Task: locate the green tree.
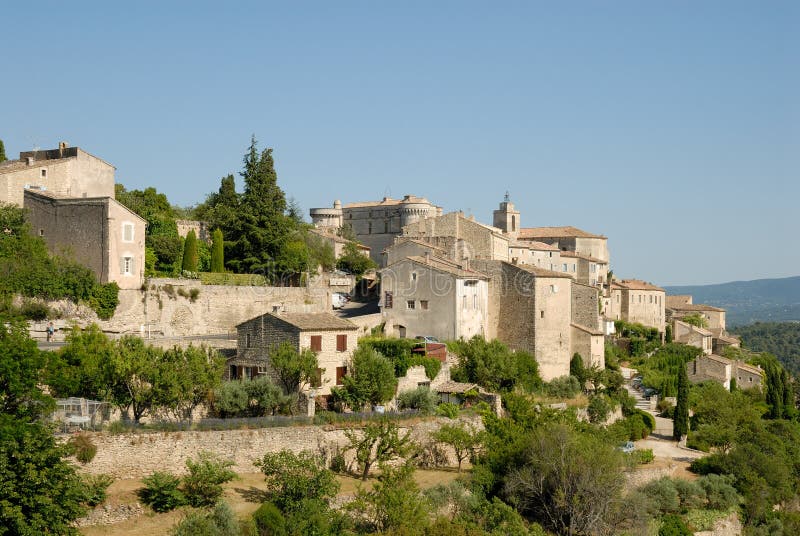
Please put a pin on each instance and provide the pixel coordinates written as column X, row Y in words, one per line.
column 680, row 423
column 137, row 373
column 354, row 260
column 83, row 367
column 187, row 378
column 378, row 442
column 294, row 478
column 494, row 366
column 463, row 439
column 40, row 491
column 393, row 504
column 577, row 369
column 190, row 256
column 292, row 367
column 696, row 319
column 217, row 251
column 202, row 485
column 370, row 379
column 2, row 152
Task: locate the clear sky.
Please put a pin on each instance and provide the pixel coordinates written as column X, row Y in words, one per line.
column 671, row 127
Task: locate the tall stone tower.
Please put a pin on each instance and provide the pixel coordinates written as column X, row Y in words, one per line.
column 506, row 218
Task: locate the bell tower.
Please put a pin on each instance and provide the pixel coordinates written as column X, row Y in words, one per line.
column 506, row 218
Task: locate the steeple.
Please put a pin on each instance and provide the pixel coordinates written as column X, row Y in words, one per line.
column 506, row 217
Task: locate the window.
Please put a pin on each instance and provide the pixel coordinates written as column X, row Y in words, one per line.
column 413, row 276
column 385, row 226
column 541, row 314
column 513, row 223
column 341, row 372
column 127, row 265
column 247, row 340
column 41, row 232
column 341, row 343
column 316, row 343
column 651, row 299
column 564, row 267
column 464, row 301
column 262, row 369
column 471, row 282
column 410, row 304
column 474, row 301
column 551, row 254
column 423, row 304
column 369, row 229
column 387, row 300
column 573, row 267
column 127, row 232
column 44, row 173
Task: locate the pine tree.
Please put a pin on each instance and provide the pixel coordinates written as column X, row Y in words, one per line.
column 680, row 425
column 190, row 252
column 217, row 252
column 2, row 152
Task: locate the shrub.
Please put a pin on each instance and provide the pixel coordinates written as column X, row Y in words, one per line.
column 34, row 310
column 221, row 521
column 421, row 398
column 563, row 387
column 95, row 488
column 692, row 495
column 598, row 409
column 269, row 520
column 230, row 399
column 448, row 409
column 193, row 294
column 663, row 494
column 720, row 492
column 673, row 525
column 643, row 456
column 104, row 300
column 203, row 485
column 161, row 492
column 84, row 447
column 431, row 364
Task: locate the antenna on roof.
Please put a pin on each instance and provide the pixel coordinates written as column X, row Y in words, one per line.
column 507, row 198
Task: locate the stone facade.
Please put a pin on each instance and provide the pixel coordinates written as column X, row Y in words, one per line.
column 720, row 369
column 678, row 307
column 410, row 247
column 536, row 254
column 590, row 344
column 585, row 269
column 66, row 171
column 333, row 339
column 585, row 307
column 200, row 228
column 569, row 239
column 480, row 241
column 507, row 218
column 636, row 301
column 433, row 296
column 376, row 223
column 97, row 232
column 693, row 336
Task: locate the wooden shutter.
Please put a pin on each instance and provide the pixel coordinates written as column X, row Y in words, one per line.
column 341, row 343
column 316, row 343
column 341, row 372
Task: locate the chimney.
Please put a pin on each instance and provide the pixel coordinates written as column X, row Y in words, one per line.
column 29, row 160
column 62, row 145
column 427, row 257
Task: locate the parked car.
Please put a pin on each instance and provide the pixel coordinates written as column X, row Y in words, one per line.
column 338, row 300
column 627, row 447
column 426, row 338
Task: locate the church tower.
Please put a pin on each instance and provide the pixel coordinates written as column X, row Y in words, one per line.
column 507, row 218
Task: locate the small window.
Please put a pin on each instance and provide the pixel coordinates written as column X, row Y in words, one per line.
column 464, row 301
column 423, row 304
column 564, row 267
column 474, row 301
column 41, row 232
column 386, row 227
column 44, row 173
column 341, row 343
column 413, row 276
column 247, row 342
column 262, row 370
column 127, row 265
column 541, row 314
column 387, row 300
column 341, row 372
column 316, row 343
column 127, row 232
column 369, row 229
column 410, row 304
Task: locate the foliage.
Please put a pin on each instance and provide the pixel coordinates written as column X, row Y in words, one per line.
column 598, row 409
column 494, row 366
column 251, row 398
column 463, row 439
column 421, row 398
column 719, row 416
column 673, row 525
column 378, row 442
column 448, row 409
column 781, row 339
column 292, row 367
column 41, row 494
column 202, row 486
column 643, row 456
column 237, row 280
column 217, row 252
column 568, row 481
column 778, row 384
column 663, row 494
column 562, row 387
column 104, row 299
column 294, row 478
column 634, row 427
column 577, row 369
column 83, row 446
column 696, row 319
column 161, row 492
column 2, row 152
column 370, row 379
column 354, row 261
column 95, row 488
column 269, row 520
column 220, row 521
column 680, row 423
column 660, row 371
column 190, row 256
column 393, row 503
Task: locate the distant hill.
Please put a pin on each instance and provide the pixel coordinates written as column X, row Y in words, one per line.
column 762, row 300
column 779, row 339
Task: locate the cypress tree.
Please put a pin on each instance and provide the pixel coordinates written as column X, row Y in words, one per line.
column 733, row 385
column 680, row 425
column 190, row 252
column 217, row 252
column 2, row 152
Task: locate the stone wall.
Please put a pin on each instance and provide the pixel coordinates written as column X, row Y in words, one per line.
column 585, row 310
column 138, row 455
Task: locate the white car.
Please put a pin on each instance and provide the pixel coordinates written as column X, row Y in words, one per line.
column 338, row 300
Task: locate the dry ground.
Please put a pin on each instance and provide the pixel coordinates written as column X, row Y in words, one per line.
column 244, row 495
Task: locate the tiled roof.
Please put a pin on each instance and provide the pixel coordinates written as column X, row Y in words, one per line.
column 555, row 232
column 451, row 387
column 541, row 272
column 573, row 255
column 443, row 265
column 532, row 244
column 702, row 331
column 635, row 284
column 693, row 307
column 404, row 239
column 312, row 321
column 17, row 165
column 749, row 368
column 678, row 299
column 588, row 330
column 717, row 358
column 387, row 202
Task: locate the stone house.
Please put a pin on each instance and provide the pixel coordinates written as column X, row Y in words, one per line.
column 720, row 369
column 333, row 339
column 587, row 337
column 463, row 237
column 98, row 232
column 376, row 223
column 693, row 336
column 568, row 238
column 585, row 269
column 590, row 344
column 410, row 247
column 429, row 295
column 680, row 306
column 534, row 253
column 636, row 301
column 66, row 171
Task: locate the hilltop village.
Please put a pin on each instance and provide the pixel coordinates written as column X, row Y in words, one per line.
column 482, row 378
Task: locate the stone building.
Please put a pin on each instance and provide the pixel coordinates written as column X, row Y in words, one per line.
column 98, row 232
column 678, row 307
column 433, row 296
column 585, row 269
column 507, row 218
column 200, row 228
column 463, row 237
column 720, row 369
column 636, row 301
column 693, row 336
column 66, row 171
column 376, row 223
column 568, row 239
column 534, row 253
column 410, row 247
column 333, row 339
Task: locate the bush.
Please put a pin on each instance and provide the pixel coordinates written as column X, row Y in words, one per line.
column 598, row 409
column 673, row 525
column 34, row 310
column 719, row 490
column 104, row 300
column 84, row 447
column 194, row 294
column 448, row 409
column 161, row 492
column 563, row 387
column 96, row 487
column 691, row 493
column 203, row 485
column 269, row 520
column 663, row 494
column 643, row 456
column 221, row 521
column 421, row 398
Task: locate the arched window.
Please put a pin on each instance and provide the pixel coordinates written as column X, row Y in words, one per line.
column 513, row 223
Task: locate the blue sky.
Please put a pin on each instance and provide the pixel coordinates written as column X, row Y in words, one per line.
column 671, row 127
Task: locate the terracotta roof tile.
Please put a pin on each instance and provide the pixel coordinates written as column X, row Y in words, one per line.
column 555, row 232
column 635, row 284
